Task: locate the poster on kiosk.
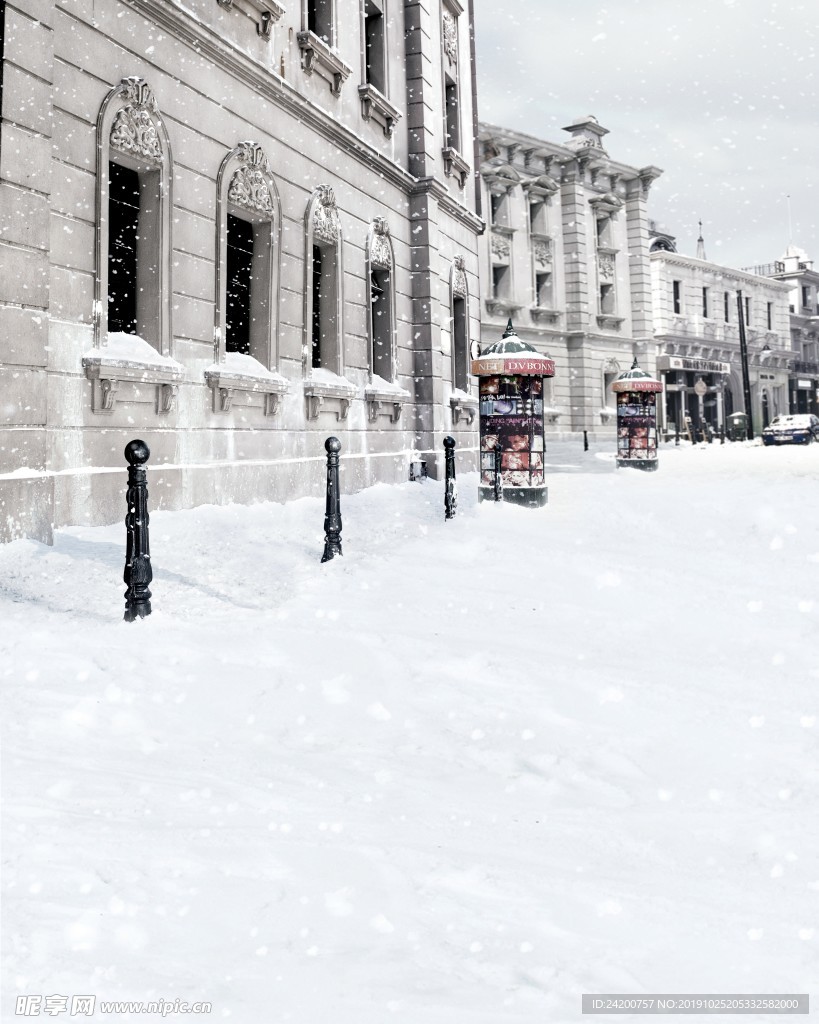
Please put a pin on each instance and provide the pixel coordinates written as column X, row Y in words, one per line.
column 511, row 374
column 636, row 393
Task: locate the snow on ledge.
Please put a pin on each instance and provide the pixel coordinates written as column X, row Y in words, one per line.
column 323, row 381
column 129, row 350
column 239, row 366
column 386, row 390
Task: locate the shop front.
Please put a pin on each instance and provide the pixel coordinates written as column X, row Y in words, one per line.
column 697, row 394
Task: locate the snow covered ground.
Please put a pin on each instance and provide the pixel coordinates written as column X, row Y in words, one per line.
column 461, row 775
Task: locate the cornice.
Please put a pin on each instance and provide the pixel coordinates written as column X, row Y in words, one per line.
column 206, row 42
column 691, row 262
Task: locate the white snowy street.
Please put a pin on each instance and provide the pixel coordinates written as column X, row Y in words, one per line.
column 461, row 775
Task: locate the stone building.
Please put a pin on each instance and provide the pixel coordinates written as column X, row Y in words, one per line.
column 696, row 327
column 231, row 228
column 796, row 270
column 566, row 257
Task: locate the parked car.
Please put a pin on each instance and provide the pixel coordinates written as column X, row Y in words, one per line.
column 799, row 428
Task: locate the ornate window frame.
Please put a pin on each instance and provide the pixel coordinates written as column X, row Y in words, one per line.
column 454, row 163
column 130, row 131
column 462, row 402
column 385, row 395
column 322, row 228
column 245, row 188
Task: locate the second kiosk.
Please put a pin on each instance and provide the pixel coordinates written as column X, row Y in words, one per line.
column 636, row 393
column 513, row 443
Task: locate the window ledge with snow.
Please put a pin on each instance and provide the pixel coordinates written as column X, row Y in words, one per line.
column 502, row 307
column 551, row 415
column 464, row 406
column 384, row 397
column 264, row 12
column 607, row 413
column 243, row 373
column 323, row 385
column 543, row 314
column 127, row 359
column 609, row 320
column 455, row 165
column 317, row 56
column 375, row 105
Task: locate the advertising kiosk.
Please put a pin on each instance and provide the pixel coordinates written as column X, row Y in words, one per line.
column 511, row 374
column 636, row 393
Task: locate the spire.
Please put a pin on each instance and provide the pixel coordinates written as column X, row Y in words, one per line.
column 701, row 245
column 510, row 330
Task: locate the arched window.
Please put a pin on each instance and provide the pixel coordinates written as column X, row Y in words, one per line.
column 322, row 287
column 133, row 243
column 459, row 305
column 381, row 306
column 248, row 216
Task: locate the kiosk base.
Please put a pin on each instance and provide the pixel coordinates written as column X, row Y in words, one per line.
column 531, row 497
column 644, row 464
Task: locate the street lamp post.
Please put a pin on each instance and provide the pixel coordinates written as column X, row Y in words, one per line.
column 743, row 355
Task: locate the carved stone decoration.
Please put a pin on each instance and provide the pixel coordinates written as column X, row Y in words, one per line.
column 108, row 393
column 326, row 224
column 225, row 399
column 166, row 397
column 134, row 129
column 250, row 185
column 500, row 248
column 543, row 253
column 380, row 251
column 459, row 285
column 450, row 34
column 605, row 266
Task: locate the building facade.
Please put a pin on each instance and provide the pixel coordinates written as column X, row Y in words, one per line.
column 566, row 257
column 232, row 229
column 696, row 327
column 797, row 271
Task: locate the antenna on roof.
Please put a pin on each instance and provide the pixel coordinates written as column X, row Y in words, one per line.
column 700, row 245
column 790, row 222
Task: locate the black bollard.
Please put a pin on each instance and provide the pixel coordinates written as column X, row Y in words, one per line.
column 332, row 515
column 138, row 573
column 451, row 492
column 722, row 434
column 585, row 440
column 498, row 489
column 677, row 432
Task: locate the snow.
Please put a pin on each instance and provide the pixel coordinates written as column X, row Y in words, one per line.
column 130, row 349
column 239, row 364
column 461, row 775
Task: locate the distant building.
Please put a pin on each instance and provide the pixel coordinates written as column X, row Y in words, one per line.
column 696, row 328
column 566, row 257
column 231, row 229
column 796, row 270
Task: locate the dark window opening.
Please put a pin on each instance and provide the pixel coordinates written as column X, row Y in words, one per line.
column 374, row 46
column 543, row 290
column 805, row 296
column 497, row 207
column 770, row 316
column 320, row 19
column 606, row 298
column 536, row 217
column 500, row 282
column 705, row 302
column 317, row 306
column 677, row 296
column 726, row 301
column 123, row 234
column 453, row 134
column 381, row 309
column 239, row 276
column 459, row 343
column 747, row 312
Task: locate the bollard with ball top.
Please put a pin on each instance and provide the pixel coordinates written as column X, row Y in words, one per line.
column 138, row 573
column 332, row 516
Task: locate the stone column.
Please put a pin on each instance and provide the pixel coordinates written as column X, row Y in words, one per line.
column 26, row 504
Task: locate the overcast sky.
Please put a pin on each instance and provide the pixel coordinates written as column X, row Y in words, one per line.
column 721, row 94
